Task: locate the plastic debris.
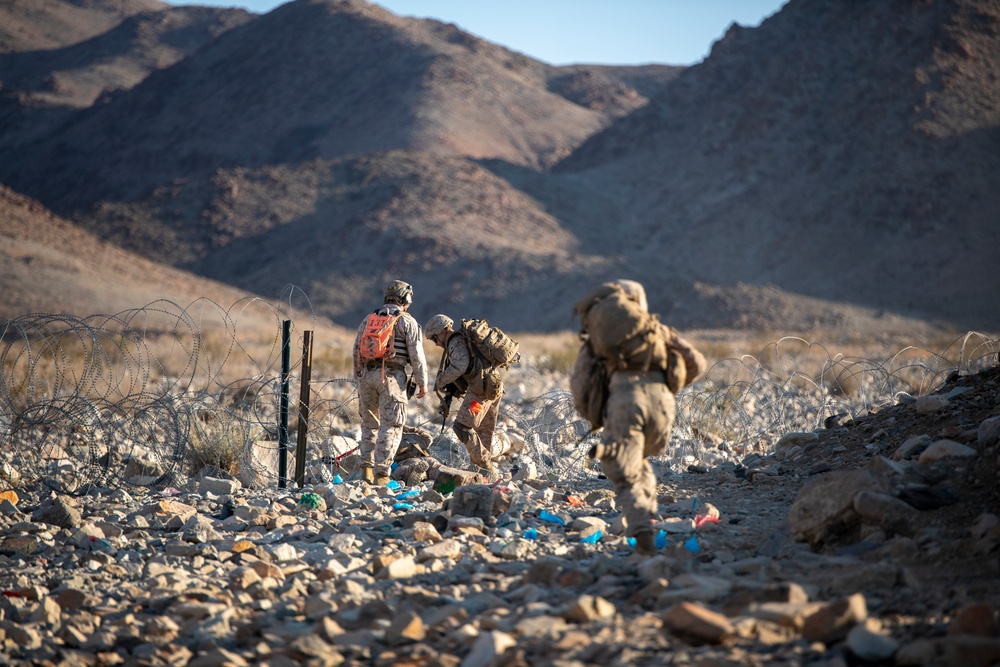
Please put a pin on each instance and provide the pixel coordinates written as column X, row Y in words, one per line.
column 338, row 479
column 710, row 515
column 546, row 515
column 661, row 540
column 412, row 493
column 393, row 485
column 310, row 500
column 575, row 501
column 531, row 534
column 403, row 506
column 593, row 537
column 170, row 491
column 692, row 545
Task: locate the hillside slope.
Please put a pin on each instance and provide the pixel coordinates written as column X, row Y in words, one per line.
column 317, row 79
column 833, row 168
column 48, row 265
column 847, row 151
column 34, row 25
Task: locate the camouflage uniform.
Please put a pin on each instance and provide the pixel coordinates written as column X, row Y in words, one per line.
column 382, row 392
column 477, row 417
column 639, row 415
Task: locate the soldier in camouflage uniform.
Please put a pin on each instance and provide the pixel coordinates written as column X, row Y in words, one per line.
column 639, row 415
column 382, row 387
column 477, row 417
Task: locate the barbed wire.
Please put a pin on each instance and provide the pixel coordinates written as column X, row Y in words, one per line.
column 154, row 396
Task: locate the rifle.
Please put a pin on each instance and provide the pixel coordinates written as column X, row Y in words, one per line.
column 445, row 408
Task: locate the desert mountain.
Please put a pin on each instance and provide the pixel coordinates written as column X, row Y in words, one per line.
column 50, row 266
column 50, row 24
column 831, row 167
column 841, row 150
column 320, row 79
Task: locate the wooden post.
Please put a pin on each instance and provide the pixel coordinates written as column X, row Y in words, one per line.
column 300, row 443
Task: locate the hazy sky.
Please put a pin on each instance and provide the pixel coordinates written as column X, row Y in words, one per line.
column 560, row 32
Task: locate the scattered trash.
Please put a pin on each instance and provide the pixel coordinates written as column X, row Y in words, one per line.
column 412, row 493
column 310, row 500
column 403, row 506
column 710, row 515
column 661, row 540
column 393, row 485
column 338, row 479
column 545, row 515
column 531, row 534
column 170, row 491
column 692, row 545
column 575, row 501
column 593, row 537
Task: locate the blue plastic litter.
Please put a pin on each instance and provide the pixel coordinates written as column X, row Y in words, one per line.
column 393, row 485
column 692, row 545
column 593, row 537
column 338, row 480
column 661, row 539
column 545, row 515
column 412, row 493
column 403, row 506
column 694, row 503
column 531, row 534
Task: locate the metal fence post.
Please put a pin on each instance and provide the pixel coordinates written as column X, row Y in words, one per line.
column 283, row 405
column 303, row 428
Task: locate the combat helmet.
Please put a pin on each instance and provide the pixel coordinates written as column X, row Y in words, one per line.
column 399, row 292
column 437, row 324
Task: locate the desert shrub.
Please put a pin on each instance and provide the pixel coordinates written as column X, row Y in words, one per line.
column 217, row 439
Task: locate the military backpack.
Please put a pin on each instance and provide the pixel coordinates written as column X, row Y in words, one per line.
column 377, row 338
column 496, row 347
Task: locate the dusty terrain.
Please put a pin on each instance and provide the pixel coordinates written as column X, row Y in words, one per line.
column 853, row 544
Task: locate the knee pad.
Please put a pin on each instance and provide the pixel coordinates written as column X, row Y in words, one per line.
column 463, row 432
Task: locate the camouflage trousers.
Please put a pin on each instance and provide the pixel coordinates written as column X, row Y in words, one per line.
column 383, row 412
column 474, row 425
column 640, row 412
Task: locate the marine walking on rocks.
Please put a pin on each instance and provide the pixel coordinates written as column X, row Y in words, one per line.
column 388, row 340
column 473, row 360
column 627, row 372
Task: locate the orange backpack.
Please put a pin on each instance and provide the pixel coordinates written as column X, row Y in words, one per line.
column 376, row 340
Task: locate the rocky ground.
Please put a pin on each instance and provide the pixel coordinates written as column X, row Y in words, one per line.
column 875, row 541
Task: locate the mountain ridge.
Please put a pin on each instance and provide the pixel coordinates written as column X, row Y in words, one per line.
column 799, row 175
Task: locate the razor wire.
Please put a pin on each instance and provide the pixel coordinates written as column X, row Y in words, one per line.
column 157, row 395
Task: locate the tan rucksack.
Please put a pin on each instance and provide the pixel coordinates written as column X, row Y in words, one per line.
column 497, row 348
column 621, row 331
column 589, row 385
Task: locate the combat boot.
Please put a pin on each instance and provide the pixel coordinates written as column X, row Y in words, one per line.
column 367, row 476
column 645, row 543
column 381, row 480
